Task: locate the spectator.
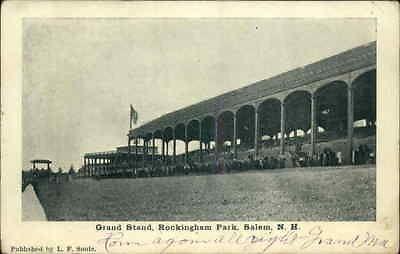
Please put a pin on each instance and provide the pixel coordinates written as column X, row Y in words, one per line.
column 339, row 158
column 58, row 176
column 186, row 169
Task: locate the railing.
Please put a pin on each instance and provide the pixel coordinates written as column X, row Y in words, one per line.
column 100, row 153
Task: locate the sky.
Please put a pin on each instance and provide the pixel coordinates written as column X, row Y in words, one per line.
column 81, row 75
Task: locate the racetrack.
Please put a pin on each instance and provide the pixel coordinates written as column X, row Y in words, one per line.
column 300, row 194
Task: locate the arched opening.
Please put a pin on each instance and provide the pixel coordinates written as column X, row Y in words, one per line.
column 297, row 119
column 245, row 127
column 269, row 116
column 193, row 129
column 225, row 131
column 147, row 149
column 157, row 146
column 180, row 142
column 331, row 111
column 168, row 136
column 364, row 124
column 364, row 89
column 208, row 133
column 135, row 150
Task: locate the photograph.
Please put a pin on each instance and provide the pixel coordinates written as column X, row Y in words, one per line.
column 199, row 119
column 200, row 127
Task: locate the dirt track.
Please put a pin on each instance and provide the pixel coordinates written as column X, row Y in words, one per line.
column 323, row 194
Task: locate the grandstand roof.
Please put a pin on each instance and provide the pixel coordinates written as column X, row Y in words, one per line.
column 344, row 62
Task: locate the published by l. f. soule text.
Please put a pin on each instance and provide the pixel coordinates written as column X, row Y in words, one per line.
column 160, row 227
column 53, row 249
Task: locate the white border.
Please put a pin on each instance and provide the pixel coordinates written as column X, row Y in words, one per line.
column 14, row 232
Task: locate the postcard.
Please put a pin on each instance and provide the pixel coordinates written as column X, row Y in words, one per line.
column 200, row 127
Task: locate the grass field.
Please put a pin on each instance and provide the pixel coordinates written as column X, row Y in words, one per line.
column 308, row 194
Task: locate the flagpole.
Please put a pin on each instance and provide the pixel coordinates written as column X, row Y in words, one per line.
column 130, row 118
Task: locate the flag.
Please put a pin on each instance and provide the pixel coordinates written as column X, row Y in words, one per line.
column 134, row 116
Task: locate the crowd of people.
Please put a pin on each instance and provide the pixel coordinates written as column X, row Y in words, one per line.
column 362, row 155
column 225, row 164
column 228, row 164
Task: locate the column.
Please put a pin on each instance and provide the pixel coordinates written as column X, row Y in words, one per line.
column 313, row 134
column 256, row 133
column 200, row 144
column 144, row 152
column 93, row 166
column 89, row 169
column 282, row 148
column 100, row 168
column 129, row 151
column 152, row 150
column 216, row 147
column 174, row 148
column 166, row 150
column 84, row 165
column 109, row 166
column 96, row 168
column 93, row 163
column 104, row 167
column 162, row 148
column 350, row 120
column 186, row 146
column 147, row 149
column 234, row 141
column 136, row 151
